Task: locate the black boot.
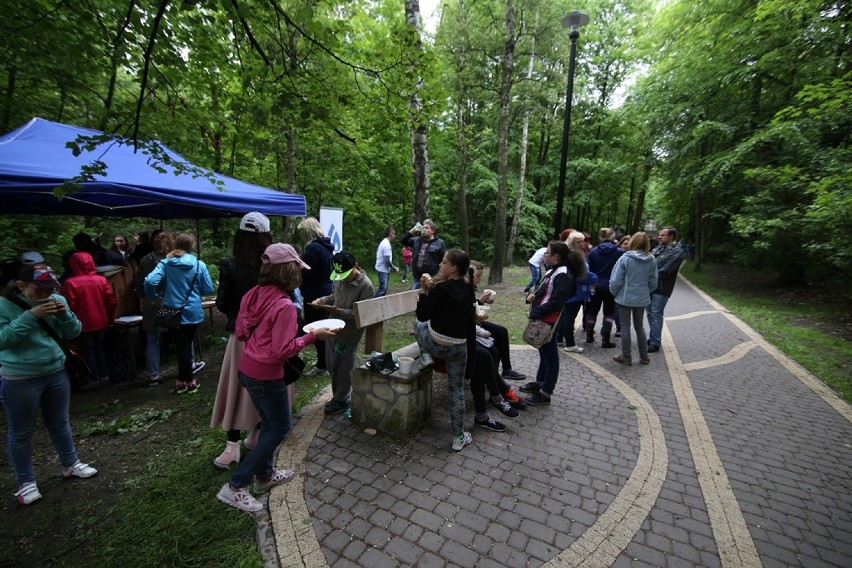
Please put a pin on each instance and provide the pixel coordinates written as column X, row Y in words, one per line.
column 606, row 343
column 590, row 335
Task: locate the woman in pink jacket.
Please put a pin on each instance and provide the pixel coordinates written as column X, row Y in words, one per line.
column 268, row 324
column 91, row 298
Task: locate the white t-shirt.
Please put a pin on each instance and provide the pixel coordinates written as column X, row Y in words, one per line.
column 384, row 250
column 538, row 257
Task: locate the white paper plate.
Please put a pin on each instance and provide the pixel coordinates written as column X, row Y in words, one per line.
column 324, row 324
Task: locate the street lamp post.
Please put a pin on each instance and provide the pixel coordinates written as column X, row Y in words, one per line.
column 573, row 21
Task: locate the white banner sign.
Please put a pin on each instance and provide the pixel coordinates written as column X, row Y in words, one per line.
column 331, row 219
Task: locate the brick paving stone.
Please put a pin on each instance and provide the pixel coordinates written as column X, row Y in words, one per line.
column 458, row 555
column 519, row 498
column 403, row 551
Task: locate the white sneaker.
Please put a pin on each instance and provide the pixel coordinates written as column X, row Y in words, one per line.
column 239, row 498
column 462, row 441
column 79, row 469
column 279, row 476
column 28, row 493
column 572, row 349
column 315, row 372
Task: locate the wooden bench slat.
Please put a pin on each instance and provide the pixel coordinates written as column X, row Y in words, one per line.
column 374, row 310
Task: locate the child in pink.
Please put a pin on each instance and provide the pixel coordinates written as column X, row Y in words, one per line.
column 268, row 324
column 407, row 255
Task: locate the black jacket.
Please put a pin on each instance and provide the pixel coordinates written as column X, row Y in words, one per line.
column 234, row 281
column 435, row 250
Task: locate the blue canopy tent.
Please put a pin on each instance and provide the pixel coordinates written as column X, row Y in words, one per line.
column 34, row 161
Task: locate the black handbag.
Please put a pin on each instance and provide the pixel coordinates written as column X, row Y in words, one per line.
column 168, row 317
column 293, row 368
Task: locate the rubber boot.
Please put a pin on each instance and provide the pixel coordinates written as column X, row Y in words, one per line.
column 590, row 335
column 606, row 343
column 229, row 456
column 251, row 441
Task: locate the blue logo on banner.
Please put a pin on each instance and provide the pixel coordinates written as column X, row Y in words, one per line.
column 334, row 235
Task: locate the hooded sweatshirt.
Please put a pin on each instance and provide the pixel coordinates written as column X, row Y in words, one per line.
column 89, row 294
column 344, row 296
column 268, row 325
column 182, row 288
column 316, row 282
column 602, row 259
column 633, row 279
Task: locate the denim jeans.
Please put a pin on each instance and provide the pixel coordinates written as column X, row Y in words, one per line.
column 152, row 353
column 548, row 365
column 383, row 284
column 655, row 318
column 272, row 403
column 535, row 276
column 21, row 400
column 565, row 326
column 92, row 351
column 636, row 314
column 455, row 356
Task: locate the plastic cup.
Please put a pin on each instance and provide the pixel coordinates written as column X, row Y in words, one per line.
column 405, row 364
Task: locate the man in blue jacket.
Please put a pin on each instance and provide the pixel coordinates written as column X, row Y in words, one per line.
column 669, row 257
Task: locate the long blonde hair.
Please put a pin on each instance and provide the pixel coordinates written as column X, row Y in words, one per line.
column 640, row 241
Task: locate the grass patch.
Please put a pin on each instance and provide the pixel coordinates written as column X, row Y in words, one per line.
column 792, row 326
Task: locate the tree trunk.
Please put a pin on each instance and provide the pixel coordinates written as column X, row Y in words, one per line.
column 525, row 136
column 419, row 142
column 460, row 120
column 495, row 275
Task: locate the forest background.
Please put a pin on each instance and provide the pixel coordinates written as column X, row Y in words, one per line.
column 729, row 120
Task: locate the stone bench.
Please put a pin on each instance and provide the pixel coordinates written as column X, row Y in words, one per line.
column 395, row 404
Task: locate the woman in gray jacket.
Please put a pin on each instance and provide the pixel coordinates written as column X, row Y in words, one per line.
column 633, row 278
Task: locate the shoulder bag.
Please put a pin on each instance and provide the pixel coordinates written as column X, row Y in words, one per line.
column 78, row 370
column 538, row 333
column 169, row 318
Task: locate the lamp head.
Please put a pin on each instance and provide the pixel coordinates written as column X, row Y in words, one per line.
column 575, row 20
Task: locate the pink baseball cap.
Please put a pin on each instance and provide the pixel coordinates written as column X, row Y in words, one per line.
column 280, row 253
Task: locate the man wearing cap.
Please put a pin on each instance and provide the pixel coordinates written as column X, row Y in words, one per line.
column 350, row 285
column 384, row 261
column 428, row 250
column 32, row 257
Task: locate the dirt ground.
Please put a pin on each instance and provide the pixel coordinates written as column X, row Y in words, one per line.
column 59, row 530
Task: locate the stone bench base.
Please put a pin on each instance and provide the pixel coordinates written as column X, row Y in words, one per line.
column 395, row 404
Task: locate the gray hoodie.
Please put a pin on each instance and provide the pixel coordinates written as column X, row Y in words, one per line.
column 633, row 278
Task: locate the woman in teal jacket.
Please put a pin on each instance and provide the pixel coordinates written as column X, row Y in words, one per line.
column 33, row 375
column 181, row 280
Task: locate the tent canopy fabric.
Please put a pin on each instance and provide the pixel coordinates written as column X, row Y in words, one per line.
column 34, row 161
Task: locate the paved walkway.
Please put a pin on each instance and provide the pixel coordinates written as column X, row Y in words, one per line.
column 721, row 452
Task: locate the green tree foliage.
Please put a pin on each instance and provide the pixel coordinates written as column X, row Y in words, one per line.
column 728, row 120
column 748, row 106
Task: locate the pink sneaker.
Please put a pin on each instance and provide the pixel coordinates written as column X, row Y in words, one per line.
column 239, row 498
column 279, row 476
column 229, row 456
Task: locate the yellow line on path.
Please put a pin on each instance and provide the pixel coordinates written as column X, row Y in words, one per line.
column 738, row 352
column 295, row 537
column 803, row 375
column 733, row 539
column 609, row 535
